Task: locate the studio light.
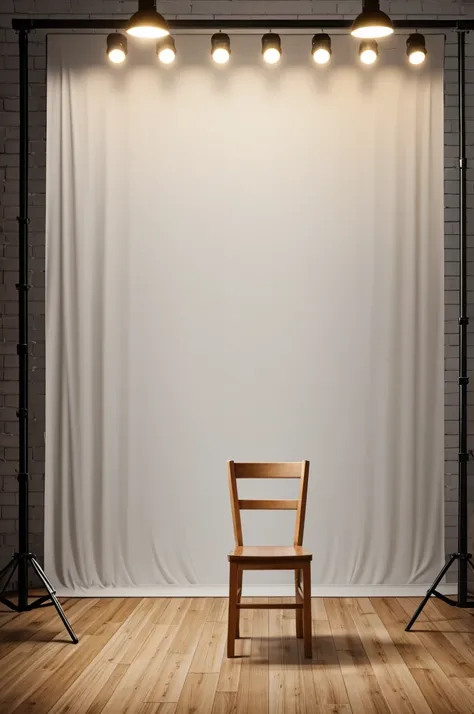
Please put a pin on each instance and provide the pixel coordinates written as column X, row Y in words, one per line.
column 368, row 51
column 372, row 23
column 116, row 47
column 321, row 48
column 166, row 50
column 220, row 47
column 271, row 47
column 147, row 22
column 416, row 48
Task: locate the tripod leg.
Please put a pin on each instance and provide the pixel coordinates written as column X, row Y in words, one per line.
column 12, row 566
column 52, row 595
column 42, row 574
column 7, row 568
column 431, row 591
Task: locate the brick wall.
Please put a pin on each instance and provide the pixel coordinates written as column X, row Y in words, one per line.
column 9, row 162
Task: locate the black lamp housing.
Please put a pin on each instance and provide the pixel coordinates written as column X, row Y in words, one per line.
column 372, row 17
column 117, row 41
column 322, row 41
column 165, row 43
column 220, row 41
column 271, row 41
column 366, row 45
column 147, row 16
column 416, row 43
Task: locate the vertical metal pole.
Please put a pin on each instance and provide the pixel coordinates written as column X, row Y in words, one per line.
column 463, row 324
column 147, row 4
column 370, row 5
column 22, row 348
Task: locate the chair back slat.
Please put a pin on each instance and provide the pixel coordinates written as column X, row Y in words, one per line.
column 289, row 469
column 268, row 505
column 286, row 469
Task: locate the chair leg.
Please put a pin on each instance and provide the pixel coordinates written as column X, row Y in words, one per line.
column 232, row 619
column 239, row 597
column 299, row 601
column 307, row 628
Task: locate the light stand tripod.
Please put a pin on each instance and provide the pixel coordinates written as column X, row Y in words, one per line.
column 23, row 559
column 462, row 557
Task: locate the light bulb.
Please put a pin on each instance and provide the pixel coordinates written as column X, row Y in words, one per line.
column 117, row 56
column 147, row 32
column 221, row 55
column 167, row 55
column 417, row 57
column 368, row 52
column 321, row 56
column 368, row 56
column 272, row 55
column 373, row 32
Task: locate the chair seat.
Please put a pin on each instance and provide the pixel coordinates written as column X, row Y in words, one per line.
column 264, row 553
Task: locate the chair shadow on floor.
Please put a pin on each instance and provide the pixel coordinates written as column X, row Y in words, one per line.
column 289, row 651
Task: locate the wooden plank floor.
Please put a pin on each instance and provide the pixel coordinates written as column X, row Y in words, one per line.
column 167, row 656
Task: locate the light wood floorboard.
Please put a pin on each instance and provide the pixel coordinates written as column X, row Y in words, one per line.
column 167, row 656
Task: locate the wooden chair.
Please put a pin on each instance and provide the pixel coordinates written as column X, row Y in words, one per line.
column 270, row 557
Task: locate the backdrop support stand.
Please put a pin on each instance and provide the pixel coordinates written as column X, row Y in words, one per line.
column 462, row 557
column 22, row 560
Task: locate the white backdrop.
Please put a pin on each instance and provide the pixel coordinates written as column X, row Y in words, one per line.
column 242, row 262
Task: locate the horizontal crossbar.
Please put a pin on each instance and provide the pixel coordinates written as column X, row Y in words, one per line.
column 43, row 601
column 268, row 505
column 283, row 564
column 454, row 603
column 269, row 606
column 11, row 605
column 114, row 23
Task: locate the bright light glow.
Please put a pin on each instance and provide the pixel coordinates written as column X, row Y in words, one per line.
column 373, row 32
column 221, row 55
column 417, row 57
column 147, row 23
column 117, row 56
column 271, row 55
column 321, row 56
column 148, row 32
column 368, row 56
column 372, row 23
column 167, row 55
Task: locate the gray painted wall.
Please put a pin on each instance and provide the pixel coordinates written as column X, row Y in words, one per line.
column 9, row 161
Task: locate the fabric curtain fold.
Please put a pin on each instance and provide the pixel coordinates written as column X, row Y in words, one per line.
column 243, row 262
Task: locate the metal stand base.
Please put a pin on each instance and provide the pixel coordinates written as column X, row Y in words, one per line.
column 432, row 591
column 50, row 599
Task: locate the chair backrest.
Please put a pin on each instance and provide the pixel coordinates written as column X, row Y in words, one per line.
column 289, row 469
